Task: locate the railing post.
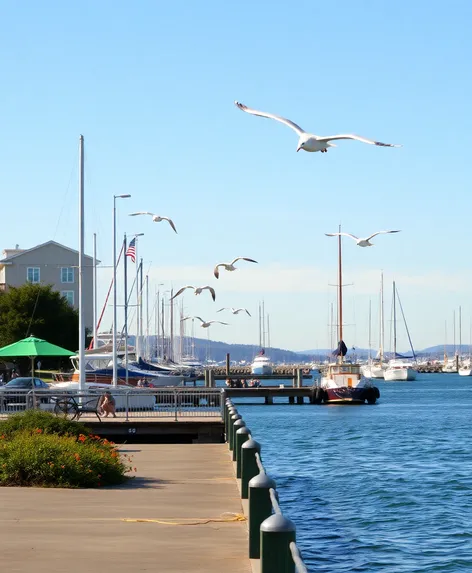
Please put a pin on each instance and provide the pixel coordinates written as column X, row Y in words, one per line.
column 232, row 419
column 127, row 407
column 242, row 435
column 175, row 404
column 237, row 424
column 260, row 508
column 277, row 532
column 249, row 467
column 229, row 412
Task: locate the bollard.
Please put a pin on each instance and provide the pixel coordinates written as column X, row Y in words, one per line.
column 260, row 508
column 242, row 435
column 277, row 532
column 232, row 419
column 249, row 467
column 237, row 424
column 227, row 416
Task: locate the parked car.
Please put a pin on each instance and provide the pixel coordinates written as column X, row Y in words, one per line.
column 17, row 391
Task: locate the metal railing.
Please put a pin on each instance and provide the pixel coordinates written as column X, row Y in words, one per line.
column 271, row 534
column 145, row 403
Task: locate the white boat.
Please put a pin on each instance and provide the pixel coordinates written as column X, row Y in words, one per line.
column 465, row 371
column 450, row 366
column 399, row 370
column 374, row 370
column 261, row 365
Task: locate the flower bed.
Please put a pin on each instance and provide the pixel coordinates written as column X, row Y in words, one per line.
column 39, row 449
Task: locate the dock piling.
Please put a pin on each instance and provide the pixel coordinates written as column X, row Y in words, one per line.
column 249, row 467
column 260, row 508
column 276, row 534
column 242, row 435
column 232, row 419
column 236, row 426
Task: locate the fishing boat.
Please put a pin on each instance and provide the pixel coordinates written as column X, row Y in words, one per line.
column 342, row 381
column 399, row 368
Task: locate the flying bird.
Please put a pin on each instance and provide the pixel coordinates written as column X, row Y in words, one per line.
column 361, row 242
column 198, row 290
column 310, row 141
column 235, row 310
column 230, row 266
column 204, row 323
column 155, row 218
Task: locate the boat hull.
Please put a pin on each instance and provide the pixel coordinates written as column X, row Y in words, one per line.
column 465, row 371
column 376, row 372
column 400, row 374
column 261, row 370
column 345, row 395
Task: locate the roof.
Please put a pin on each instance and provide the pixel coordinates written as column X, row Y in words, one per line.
column 19, row 253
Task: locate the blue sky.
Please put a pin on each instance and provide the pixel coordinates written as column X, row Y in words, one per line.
column 151, row 86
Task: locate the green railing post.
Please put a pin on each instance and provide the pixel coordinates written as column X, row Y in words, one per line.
column 228, row 409
column 232, row 419
column 242, row 435
column 249, row 467
column 277, row 532
column 237, row 424
column 260, row 508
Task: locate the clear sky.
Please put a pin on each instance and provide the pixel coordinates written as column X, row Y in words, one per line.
column 151, row 87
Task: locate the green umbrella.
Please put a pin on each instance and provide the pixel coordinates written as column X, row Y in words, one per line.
column 33, row 347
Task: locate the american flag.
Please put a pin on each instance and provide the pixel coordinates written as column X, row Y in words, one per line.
column 131, row 252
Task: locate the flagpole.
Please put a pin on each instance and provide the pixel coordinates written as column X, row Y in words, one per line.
column 81, row 267
column 126, row 310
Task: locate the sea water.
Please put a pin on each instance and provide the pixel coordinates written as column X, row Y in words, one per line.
column 376, row 488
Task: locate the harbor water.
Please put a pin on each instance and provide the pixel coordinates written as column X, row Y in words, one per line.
column 384, row 488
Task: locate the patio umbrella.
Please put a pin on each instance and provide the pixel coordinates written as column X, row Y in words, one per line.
column 33, row 347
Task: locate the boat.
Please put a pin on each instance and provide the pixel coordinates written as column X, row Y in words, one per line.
column 99, row 368
column 343, row 382
column 261, row 365
column 399, row 368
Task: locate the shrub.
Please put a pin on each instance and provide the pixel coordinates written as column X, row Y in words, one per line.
column 39, row 449
column 45, row 421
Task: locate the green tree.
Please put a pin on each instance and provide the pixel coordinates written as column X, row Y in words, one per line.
column 38, row 310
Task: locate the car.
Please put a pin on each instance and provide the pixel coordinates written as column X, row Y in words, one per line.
column 17, row 392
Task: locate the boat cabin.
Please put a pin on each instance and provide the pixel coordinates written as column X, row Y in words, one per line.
column 345, row 374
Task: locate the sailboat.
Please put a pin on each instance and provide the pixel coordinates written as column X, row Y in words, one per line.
column 343, row 382
column 399, row 369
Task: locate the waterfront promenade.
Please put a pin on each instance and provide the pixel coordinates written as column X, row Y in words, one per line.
column 94, row 530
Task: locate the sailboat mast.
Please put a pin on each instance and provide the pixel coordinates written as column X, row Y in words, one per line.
column 370, row 330
column 340, row 281
column 394, row 324
column 260, row 330
column 382, row 318
column 263, row 325
column 268, row 332
column 171, row 352
column 460, row 331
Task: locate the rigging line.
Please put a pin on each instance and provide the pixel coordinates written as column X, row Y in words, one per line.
column 66, row 196
column 406, row 326
column 33, row 313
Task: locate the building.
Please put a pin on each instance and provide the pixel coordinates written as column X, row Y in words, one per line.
column 50, row 264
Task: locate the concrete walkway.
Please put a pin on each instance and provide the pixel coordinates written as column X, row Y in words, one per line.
column 57, row 530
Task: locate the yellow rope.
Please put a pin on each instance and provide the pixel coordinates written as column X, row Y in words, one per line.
column 231, row 517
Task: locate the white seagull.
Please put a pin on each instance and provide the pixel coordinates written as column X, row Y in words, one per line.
column 235, row 310
column 198, row 290
column 205, row 324
column 361, row 242
column 310, row 141
column 155, row 218
column 230, row 266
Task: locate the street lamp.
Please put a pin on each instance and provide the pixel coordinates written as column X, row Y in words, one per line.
column 115, row 350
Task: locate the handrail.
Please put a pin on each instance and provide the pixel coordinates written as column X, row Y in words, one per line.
column 300, row 567
column 259, row 463
column 274, row 501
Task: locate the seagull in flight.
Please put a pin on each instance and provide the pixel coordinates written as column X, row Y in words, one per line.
column 198, row 290
column 155, row 218
column 235, row 310
column 310, row 141
column 361, row 242
column 205, row 324
column 230, row 266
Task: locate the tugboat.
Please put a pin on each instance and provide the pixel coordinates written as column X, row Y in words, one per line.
column 343, row 382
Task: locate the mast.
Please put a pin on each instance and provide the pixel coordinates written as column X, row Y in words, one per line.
column 171, row 352
column 138, row 296
column 140, row 308
column 268, row 332
column 263, row 325
column 370, row 331
column 260, row 330
column 147, row 346
column 382, row 318
column 95, row 308
column 125, row 268
column 81, row 267
column 340, row 291
column 394, row 324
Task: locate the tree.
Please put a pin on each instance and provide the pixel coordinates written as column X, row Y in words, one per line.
column 38, row 310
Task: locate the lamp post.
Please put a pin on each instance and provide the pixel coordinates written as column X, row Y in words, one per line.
column 115, row 350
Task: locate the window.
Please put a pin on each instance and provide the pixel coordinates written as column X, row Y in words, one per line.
column 67, row 275
column 69, row 295
column 32, row 274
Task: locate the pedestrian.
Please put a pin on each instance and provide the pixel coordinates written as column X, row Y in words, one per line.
column 107, row 404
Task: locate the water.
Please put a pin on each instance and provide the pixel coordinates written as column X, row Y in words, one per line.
column 376, row 488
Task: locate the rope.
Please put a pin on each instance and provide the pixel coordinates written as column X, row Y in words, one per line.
column 231, row 517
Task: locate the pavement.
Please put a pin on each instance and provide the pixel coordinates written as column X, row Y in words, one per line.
column 180, row 488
